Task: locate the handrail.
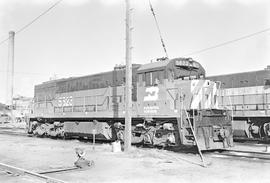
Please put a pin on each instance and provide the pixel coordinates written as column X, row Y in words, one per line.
column 195, row 138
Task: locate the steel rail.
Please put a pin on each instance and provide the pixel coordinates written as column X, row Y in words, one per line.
column 59, row 170
column 13, row 169
column 244, row 154
column 250, row 140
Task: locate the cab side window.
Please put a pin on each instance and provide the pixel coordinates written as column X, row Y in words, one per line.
column 154, row 78
column 158, row 77
column 148, row 78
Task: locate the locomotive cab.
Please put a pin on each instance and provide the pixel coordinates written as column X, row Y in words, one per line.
column 161, row 83
column 176, row 89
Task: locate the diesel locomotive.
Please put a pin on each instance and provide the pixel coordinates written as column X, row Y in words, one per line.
column 172, row 105
column 247, row 95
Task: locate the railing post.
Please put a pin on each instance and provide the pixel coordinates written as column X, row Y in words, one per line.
column 84, row 110
column 96, row 103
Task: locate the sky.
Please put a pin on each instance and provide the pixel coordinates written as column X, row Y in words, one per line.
column 82, row 37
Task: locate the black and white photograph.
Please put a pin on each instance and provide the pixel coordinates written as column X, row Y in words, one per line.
column 134, row 91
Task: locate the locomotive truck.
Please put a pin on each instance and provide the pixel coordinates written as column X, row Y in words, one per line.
column 247, row 94
column 170, row 99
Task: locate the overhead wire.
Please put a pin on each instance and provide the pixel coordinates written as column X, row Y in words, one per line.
column 227, row 42
column 4, row 40
column 161, row 39
column 29, row 24
column 35, row 19
column 32, row 21
column 23, row 73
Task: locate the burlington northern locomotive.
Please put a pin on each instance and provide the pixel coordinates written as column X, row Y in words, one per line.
column 247, row 94
column 170, row 98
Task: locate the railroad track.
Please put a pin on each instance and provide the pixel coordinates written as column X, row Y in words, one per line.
column 251, row 144
column 6, row 131
column 224, row 153
column 20, row 171
column 244, row 154
column 251, row 141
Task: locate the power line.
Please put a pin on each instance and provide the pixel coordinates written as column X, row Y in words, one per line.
column 32, row 21
column 4, row 40
column 24, row 73
column 191, row 53
column 157, row 25
column 227, row 42
column 35, row 19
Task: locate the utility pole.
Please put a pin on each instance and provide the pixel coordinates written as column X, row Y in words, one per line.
column 10, row 69
column 128, row 89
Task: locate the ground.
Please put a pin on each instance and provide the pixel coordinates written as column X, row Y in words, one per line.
column 139, row 165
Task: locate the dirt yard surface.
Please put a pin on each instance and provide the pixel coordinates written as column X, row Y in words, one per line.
column 14, row 126
column 139, row 165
